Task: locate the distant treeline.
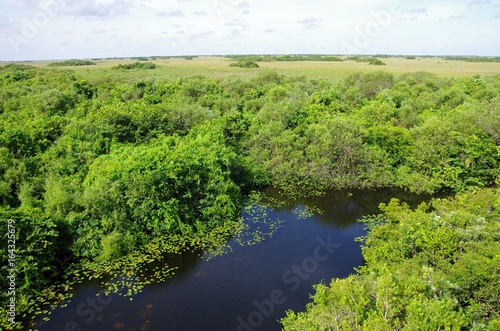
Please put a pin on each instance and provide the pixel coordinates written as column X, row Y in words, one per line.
column 136, row 65
column 140, row 58
column 370, row 60
column 70, row 63
column 297, row 58
column 280, row 58
column 291, row 57
column 473, row 58
column 152, row 58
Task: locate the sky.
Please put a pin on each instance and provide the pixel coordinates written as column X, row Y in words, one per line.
column 78, row 29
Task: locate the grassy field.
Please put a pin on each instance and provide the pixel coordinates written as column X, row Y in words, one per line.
column 219, row 67
column 394, row 65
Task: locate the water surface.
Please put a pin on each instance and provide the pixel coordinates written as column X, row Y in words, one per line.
column 269, row 269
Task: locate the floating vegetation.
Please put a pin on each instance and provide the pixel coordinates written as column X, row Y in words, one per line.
column 119, row 325
column 258, row 225
column 305, row 212
column 130, row 274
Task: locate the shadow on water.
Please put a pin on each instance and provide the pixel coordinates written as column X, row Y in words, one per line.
column 285, row 247
column 341, row 208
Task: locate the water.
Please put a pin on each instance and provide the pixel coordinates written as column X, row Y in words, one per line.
column 251, row 286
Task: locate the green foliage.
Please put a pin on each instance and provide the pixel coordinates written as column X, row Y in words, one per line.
column 38, row 245
column 395, row 141
column 425, row 270
column 71, row 63
column 140, row 58
column 473, row 58
column 164, row 187
column 244, row 64
column 282, row 58
column 376, row 62
column 135, row 65
column 370, row 60
column 41, row 255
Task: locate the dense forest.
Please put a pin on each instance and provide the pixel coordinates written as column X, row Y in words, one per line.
column 92, row 170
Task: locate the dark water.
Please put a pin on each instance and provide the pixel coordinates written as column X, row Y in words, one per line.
column 248, row 288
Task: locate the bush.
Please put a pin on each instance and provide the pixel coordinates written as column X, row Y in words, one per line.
column 168, row 186
column 69, row 63
column 245, row 64
column 376, row 62
column 370, row 60
column 135, row 65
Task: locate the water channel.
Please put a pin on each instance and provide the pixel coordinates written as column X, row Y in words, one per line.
column 286, row 248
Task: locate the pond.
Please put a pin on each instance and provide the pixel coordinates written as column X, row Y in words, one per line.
column 286, row 248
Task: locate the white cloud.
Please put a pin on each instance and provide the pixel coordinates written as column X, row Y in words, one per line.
column 479, row 2
column 63, row 31
column 174, row 13
column 419, row 10
column 234, row 34
column 251, row 26
column 311, row 23
column 201, row 35
column 94, row 8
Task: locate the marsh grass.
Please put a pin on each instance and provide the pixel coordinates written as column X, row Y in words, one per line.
column 218, row 67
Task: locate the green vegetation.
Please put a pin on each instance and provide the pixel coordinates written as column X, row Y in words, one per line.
column 70, row 63
column 428, row 269
column 136, row 65
column 287, row 58
column 140, row 58
column 94, row 169
column 376, row 62
column 244, row 64
column 370, row 60
column 473, row 58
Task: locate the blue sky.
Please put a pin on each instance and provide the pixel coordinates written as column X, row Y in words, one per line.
column 63, row 29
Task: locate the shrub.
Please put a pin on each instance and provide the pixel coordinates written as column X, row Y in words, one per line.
column 135, row 65
column 69, row 63
column 244, row 64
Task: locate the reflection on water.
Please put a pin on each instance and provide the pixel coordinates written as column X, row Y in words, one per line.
column 342, row 209
column 269, row 266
